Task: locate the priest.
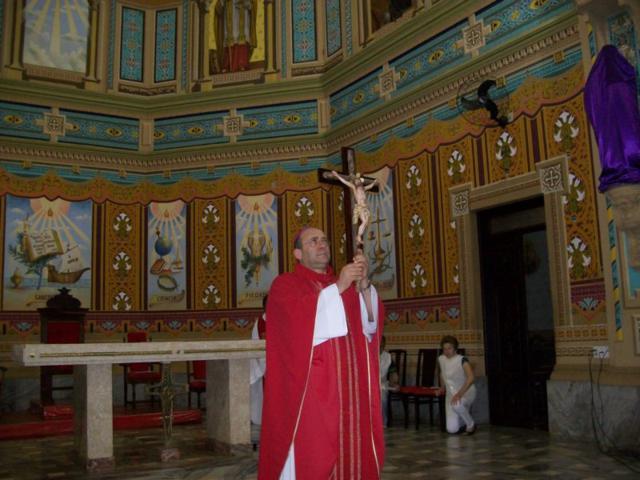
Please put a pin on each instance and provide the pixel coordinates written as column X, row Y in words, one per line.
column 321, row 415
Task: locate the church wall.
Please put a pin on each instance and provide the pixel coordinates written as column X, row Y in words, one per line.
column 393, row 98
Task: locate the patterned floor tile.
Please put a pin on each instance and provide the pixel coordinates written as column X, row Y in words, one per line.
column 426, row 453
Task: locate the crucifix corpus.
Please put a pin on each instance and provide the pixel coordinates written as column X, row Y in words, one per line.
column 358, row 186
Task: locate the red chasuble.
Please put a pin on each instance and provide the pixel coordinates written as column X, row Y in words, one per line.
column 324, row 399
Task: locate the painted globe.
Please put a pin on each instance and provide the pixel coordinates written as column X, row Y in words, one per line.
column 163, row 245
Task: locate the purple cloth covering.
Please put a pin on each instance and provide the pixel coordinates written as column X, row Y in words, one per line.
column 611, row 102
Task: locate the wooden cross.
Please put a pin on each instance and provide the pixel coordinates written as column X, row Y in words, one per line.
column 348, row 173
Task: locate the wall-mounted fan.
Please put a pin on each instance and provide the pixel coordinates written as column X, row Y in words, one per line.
column 482, row 103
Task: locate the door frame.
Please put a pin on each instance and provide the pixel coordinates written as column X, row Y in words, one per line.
column 551, row 180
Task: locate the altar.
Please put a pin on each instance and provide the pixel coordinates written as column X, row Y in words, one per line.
column 228, row 418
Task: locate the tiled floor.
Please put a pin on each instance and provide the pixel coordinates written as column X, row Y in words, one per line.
column 495, row 453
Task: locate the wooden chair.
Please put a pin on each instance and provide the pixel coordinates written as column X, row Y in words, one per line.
column 399, row 359
column 425, row 391
column 197, row 378
column 61, row 321
column 138, row 373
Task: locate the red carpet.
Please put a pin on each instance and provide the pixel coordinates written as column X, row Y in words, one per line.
column 59, row 421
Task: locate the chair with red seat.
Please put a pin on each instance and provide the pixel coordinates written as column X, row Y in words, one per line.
column 197, row 378
column 139, row 373
column 61, row 321
column 425, row 391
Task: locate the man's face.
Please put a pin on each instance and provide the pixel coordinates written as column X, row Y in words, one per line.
column 315, row 253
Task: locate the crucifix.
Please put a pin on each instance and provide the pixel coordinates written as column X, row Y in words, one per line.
column 167, row 391
column 358, row 186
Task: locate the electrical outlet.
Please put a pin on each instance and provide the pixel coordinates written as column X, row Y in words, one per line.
column 600, row 351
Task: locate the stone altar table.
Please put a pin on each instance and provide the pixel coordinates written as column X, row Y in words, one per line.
column 228, row 419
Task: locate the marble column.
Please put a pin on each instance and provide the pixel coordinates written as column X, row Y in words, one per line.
column 93, row 410
column 228, row 415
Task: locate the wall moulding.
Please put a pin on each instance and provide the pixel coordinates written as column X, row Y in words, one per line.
column 466, row 201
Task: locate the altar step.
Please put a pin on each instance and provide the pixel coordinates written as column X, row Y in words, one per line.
column 58, row 420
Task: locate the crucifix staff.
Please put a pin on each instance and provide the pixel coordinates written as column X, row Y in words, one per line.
column 358, row 186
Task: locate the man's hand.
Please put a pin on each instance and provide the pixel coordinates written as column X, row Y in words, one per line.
column 360, row 259
column 351, row 272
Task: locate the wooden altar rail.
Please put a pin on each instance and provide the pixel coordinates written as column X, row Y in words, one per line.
column 228, row 419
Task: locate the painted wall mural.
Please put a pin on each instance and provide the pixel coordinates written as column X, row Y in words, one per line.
column 380, row 244
column 236, row 35
column 56, row 34
column 47, row 246
column 166, row 256
column 256, row 219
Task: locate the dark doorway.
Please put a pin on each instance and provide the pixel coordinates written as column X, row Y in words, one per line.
column 518, row 315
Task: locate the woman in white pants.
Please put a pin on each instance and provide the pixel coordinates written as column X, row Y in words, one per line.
column 456, row 379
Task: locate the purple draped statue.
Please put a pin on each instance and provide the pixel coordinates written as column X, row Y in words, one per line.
column 611, row 101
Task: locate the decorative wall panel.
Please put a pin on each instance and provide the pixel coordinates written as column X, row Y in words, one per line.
column 428, row 60
column 507, row 20
column 122, row 259
column 566, row 130
column 303, row 16
column 211, row 254
column 19, row 120
column 280, row 120
column 456, row 165
column 107, row 131
column 132, row 45
column 416, row 226
column 348, row 27
column 334, row 26
column 355, row 98
column 165, row 46
column 190, row 130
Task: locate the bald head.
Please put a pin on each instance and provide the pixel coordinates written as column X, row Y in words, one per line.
column 312, row 249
